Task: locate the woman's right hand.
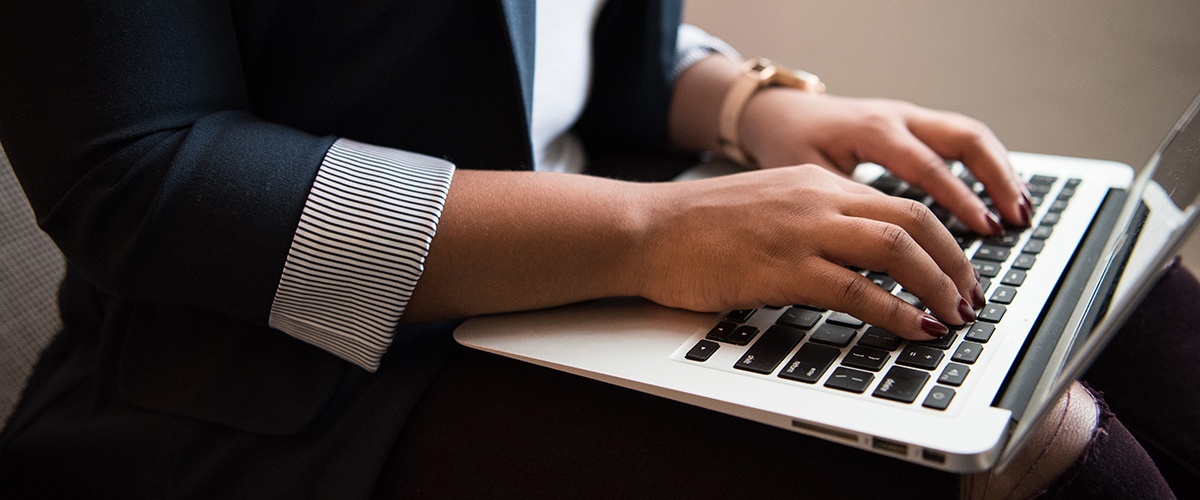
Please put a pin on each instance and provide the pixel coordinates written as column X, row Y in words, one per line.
column 785, row 236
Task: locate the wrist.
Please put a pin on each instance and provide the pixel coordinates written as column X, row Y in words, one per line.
column 758, row 75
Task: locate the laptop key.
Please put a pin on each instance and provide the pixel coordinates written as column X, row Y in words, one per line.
column 878, row 338
column 1004, row 295
column 942, row 343
column 986, row 268
column 939, row 398
column 954, row 374
column 1043, row 180
column 901, row 384
column 981, row 332
column 850, row 380
column 967, row 352
column 1034, row 246
column 992, row 313
column 809, row 363
column 866, row 358
column 1042, row 232
column 839, row 336
column 1014, row 277
column 992, row 252
column 841, row 318
column 702, row 350
column 799, row 318
column 882, row 280
column 742, row 335
column 1051, row 218
column 721, row 332
column 766, row 354
column 911, row 299
column 740, row 315
column 1025, row 261
column 922, row 357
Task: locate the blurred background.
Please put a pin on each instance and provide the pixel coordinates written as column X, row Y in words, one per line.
column 1098, row 78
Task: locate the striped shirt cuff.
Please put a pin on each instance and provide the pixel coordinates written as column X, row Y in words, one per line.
column 360, row 248
column 695, row 44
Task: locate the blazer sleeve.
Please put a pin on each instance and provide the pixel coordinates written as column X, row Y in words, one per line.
column 129, row 126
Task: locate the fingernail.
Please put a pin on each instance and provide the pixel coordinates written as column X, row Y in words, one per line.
column 965, row 310
column 973, row 268
column 1027, row 199
column 932, row 326
column 993, row 223
column 1024, row 214
column 977, row 298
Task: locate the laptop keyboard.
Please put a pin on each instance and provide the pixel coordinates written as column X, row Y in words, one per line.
column 838, row 351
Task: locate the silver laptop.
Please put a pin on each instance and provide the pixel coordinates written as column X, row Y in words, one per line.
column 1057, row 293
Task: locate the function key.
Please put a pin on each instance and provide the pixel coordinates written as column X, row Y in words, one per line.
column 1025, row 261
column 980, row 332
column 992, row 313
column 920, row 357
column 702, row 350
column 1042, row 180
column 839, row 336
column 954, row 374
column 766, row 354
column 1015, row 277
column 1034, row 246
column 809, row 363
column 1051, row 218
column 799, row 318
column 967, row 352
column 1042, row 232
column 939, row 398
column 901, row 384
column 721, row 332
column 1004, row 295
column 850, row 380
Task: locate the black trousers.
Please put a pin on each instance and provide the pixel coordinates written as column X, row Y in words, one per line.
column 490, row 427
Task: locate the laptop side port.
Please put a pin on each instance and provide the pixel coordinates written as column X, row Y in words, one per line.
column 892, row 446
column 934, row 456
column 827, row 431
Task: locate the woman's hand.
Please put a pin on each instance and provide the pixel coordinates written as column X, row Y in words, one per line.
column 784, row 236
column 782, row 126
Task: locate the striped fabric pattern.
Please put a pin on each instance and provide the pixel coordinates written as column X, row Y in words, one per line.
column 360, row 248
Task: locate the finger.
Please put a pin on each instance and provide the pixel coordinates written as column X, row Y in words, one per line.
column 889, row 248
column 914, row 162
column 924, row 228
column 967, row 140
column 852, row 293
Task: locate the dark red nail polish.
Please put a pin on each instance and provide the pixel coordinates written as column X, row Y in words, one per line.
column 932, row 326
column 977, row 298
column 993, row 223
column 965, row 311
column 1024, row 214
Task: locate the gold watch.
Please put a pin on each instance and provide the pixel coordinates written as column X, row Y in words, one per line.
column 757, row 74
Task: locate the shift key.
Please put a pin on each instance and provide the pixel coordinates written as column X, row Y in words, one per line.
column 766, row 354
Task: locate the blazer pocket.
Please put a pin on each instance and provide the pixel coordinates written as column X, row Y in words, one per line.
column 204, row 365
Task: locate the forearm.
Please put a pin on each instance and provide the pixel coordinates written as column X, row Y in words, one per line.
column 511, row 241
column 696, row 103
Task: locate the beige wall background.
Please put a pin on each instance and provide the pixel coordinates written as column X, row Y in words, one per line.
column 1094, row 78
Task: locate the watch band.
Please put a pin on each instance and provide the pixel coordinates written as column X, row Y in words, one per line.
column 757, row 74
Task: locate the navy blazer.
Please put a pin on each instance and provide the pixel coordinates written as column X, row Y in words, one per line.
column 168, row 148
